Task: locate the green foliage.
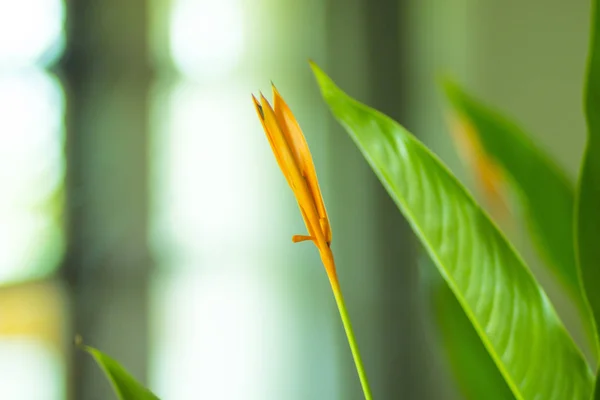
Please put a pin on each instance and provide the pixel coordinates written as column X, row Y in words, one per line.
column 506, row 306
column 588, row 199
column 545, row 191
column 124, row 385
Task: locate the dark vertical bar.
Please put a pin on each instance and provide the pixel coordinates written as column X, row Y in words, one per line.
column 376, row 253
column 351, row 185
column 107, row 264
column 400, row 317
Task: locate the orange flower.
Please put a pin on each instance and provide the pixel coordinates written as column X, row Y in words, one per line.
column 294, row 159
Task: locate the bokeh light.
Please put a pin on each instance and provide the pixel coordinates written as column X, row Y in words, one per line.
column 31, row 31
column 207, row 37
column 215, row 328
column 210, row 184
column 30, row 370
column 31, row 174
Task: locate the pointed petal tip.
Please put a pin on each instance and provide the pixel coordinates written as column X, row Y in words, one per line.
column 259, row 108
column 277, row 98
column 275, row 91
column 263, row 99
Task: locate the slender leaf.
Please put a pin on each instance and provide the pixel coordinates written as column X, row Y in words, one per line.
column 124, row 385
column 588, row 199
column 545, row 191
column 509, row 310
column 588, row 217
column 475, row 372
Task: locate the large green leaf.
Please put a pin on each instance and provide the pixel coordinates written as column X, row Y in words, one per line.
column 508, row 309
column 588, row 200
column 124, row 385
column 475, row 372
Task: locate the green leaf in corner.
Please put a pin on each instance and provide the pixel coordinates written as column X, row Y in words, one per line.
column 124, row 385
column 508, row 309
column 588, row 197
column 545, row 191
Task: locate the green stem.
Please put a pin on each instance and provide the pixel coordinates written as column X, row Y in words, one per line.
column 339, row 299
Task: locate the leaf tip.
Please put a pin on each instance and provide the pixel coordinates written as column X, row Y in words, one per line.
column 449, row 85
column 325, row 83
column 318, row 72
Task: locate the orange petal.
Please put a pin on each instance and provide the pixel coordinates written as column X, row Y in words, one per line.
column 292, row 171
column 295, row 138
column 261, row 115
column 282, row 152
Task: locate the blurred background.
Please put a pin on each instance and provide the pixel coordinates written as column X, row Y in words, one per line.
column 141, row 206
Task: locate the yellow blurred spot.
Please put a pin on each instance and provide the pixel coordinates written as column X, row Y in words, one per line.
column 36, row 310
column 489, row 178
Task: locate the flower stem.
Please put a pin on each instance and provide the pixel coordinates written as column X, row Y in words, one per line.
column 339, row 299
